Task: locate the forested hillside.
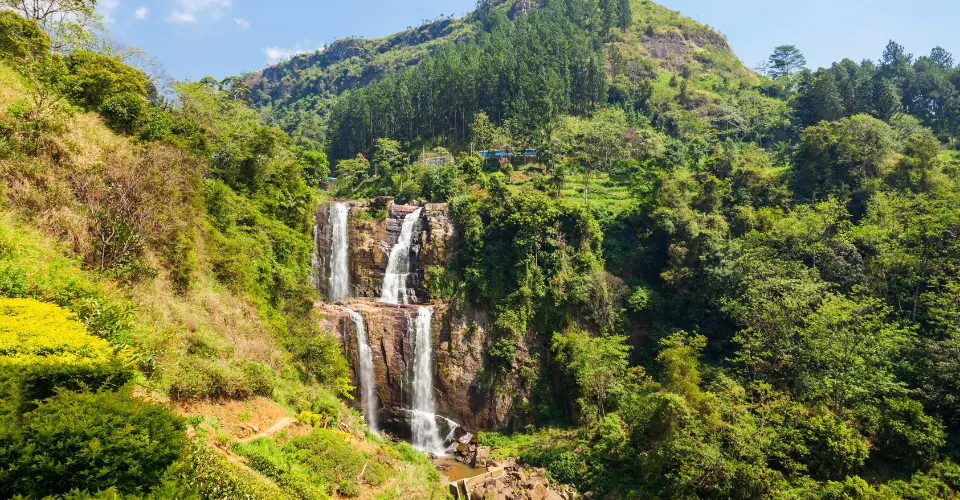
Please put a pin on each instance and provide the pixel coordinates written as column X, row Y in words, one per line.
column 703, row 283
column 742, row 285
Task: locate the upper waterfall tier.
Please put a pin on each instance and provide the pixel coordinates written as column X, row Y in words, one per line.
column 374, row 230
column 339, row 287
column 401, row 263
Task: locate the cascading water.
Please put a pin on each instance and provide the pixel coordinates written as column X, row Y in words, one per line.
column 368, row 396
column 426, row 433
column 398, row 267
column 339, row 253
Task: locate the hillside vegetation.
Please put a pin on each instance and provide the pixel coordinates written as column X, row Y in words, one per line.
column 154, row 257
column 709, row 283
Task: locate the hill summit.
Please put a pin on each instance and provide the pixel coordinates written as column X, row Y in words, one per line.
column 629, row 49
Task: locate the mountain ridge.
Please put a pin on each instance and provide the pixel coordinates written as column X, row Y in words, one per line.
column 298, row 95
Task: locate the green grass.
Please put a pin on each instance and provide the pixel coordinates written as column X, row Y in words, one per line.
column 327, row 462
column 514, row 445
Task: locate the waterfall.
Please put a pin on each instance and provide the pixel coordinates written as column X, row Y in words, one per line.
column 398, row 267
column 368, row 397
column 339, row 253
column 426, row 433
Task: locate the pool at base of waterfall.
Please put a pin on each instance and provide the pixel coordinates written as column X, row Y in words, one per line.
column 452, row 470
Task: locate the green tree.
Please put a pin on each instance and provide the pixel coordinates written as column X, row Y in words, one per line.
column 679, row 358
column 598, row 364
column 847, row 353
column 96, row 78
column 353, row 172
column 317, row 167
column 388, row 158
column 21, row 38
column 785, row 60
column 624, row 14
column 470, row 165
column 483, row 133
column 70, row 23
column 125, row 112
column 842, row 157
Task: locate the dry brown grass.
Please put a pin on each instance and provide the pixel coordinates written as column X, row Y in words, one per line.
column 206, row 310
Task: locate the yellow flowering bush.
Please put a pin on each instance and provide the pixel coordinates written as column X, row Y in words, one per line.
column 31, row 329
column 43, row 349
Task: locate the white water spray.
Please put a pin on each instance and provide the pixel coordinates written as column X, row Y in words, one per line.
column 398, row 267
column 426, row 433
column 339, row 253
column 368, row 397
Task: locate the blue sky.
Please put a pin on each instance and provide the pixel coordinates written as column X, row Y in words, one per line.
column 195, row 38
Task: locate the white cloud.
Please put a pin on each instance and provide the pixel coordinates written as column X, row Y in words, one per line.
column 107, row 8
column 276, row 54
column 180, row 17
column 242, row 23
column 187, row 11
column 141, row 12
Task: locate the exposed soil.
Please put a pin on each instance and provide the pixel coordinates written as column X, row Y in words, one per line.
column 246, row 420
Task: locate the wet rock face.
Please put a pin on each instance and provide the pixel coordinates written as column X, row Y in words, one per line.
column 459, row 342
column 371, row 240
column 460, row 337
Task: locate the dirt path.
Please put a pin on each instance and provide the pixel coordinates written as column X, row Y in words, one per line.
column 275, row 428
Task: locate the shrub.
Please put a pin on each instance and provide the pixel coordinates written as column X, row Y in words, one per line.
column 502, row 353
column 197, row 378
column 95, row 78
column 30, row 268
column 905, row 434
column 20, row 38
column 214, row 477
column 836, row 450
column 125, row 112
column 441, row 183
column 349, row 488
column 89, row 442
column 376, row 474
column 43, row 349
column 260, row 379
column 563, row 465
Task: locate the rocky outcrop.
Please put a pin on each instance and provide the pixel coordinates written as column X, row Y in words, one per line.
column 436, row 235
column 508, row 481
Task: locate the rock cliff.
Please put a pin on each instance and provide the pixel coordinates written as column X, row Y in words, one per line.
column 374, row 230
column 464, row 392
column 463, row 381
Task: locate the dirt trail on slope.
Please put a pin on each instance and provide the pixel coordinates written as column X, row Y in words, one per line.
column 275, row 428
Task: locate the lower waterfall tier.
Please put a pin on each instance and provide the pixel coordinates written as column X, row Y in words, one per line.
column 462, row 394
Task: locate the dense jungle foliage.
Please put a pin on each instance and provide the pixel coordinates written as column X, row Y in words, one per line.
column 709, row 283
column 731, row 285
